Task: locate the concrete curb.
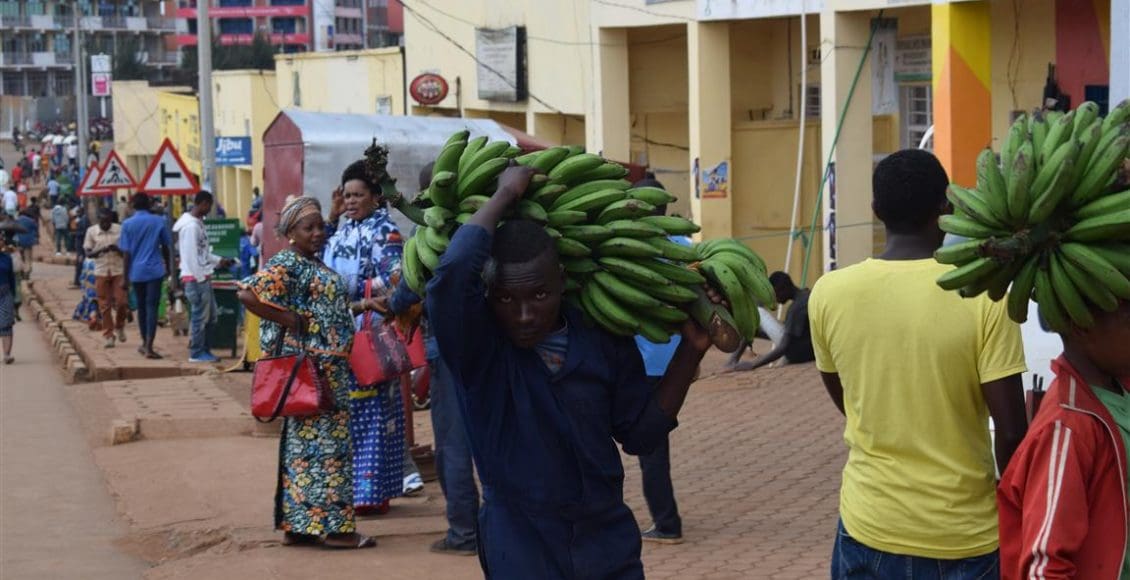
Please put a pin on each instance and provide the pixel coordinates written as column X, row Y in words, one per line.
column 76, row 367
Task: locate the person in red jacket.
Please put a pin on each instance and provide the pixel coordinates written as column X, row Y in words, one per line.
column 1063, row 499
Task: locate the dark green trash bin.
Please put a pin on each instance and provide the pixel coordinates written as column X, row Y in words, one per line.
column 225, row 333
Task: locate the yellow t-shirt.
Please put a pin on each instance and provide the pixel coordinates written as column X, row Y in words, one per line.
column 919, row 478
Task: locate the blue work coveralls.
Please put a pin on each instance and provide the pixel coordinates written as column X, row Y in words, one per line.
column 544, row 442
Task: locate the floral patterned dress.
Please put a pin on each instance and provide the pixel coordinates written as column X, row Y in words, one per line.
column 315, row 484
column 362, row 250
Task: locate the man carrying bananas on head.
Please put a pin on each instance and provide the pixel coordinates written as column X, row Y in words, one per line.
column 544, row 395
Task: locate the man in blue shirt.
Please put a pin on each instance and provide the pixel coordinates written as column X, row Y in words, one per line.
column 543, row 395
column 145, row 243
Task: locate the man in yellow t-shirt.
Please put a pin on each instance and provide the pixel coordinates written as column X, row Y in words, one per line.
column 917, row 371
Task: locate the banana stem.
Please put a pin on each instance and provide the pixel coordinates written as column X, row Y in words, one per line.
column 398, row 201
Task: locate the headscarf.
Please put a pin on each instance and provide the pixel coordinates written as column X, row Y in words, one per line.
column 295, row 210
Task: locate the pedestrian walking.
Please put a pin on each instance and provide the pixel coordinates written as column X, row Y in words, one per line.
column 11, row 201
column 80, row 222
column 304, row 306
column 145, row 243
column 28, row 239
column 917, row 371
column 60, row 221
column 101, row 246
column 544, row 395
column 365, row 248
column 7, row 299
column 197, row 265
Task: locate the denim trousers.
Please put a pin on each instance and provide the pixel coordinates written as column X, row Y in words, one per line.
column 852, row 560
column 202, row 303
column 655, row 471
column 148, row 298
column 454, row 465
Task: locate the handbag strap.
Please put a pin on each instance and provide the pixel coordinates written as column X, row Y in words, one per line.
column 367, row 319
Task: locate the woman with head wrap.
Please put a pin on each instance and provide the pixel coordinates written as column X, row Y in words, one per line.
column 304, row 305
column 365, row 248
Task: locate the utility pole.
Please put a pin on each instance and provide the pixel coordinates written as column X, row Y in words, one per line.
column 81, row 123
column 204, row 93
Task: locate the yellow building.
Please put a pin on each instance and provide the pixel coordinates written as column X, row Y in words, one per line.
column 137, row 133
column 244, row 103
column 352, row 81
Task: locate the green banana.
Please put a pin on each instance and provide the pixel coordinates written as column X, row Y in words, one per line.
column 572, row 248
column 1117, row 116
column 410, row 267
column 448, row 158
column 1047, row 202
column 463, row 218
column 1019, row 183
column 1089, row 144
column 998, row 282
column 593, row 201
column 1110, row 227
column 625, row 209
column 653, row 195
column 1059, row 133
column 628, row 295
column 492, row 150
column 717, row 321
column 441, row 190
column 589, row 234
column 633, row 271
column 560, row 219
column 475, row 181
column 469, row 151
column 549, row 159
column 1104, row 205
column 673, row 225
column 436, row 216
column 1101, row 171
column 553, row 233
column 967, row 274
column 965, row 227
column 435, row 239
column 709, row 248
column 573, row 167
column 634, row 229
column 1017, row 137
column 1097, row 293
column 1021, row 291
column 673, row 251
column 628, row 248
column 959, row 253
column 974, row 206
column 530, row 210
column 580, row 266
column 457, row 136
column 1037, row 129
column 1101, row 270
column 608, row 170
column 572, row 286
column 473, row 203
column 602, row 302
column 755, row 282
column 675, row 273
column 1069, row 297
column 992, row 187
column 669, row 315
column 578, row 191
column 428, row 257
column 1069, row 151
column 1050, row 309
column 511, row 152
column 547, row 194
column 669, row 293
column 1117, row 254
column 1086, row 114
column 726, row 281
column 654, row 332
column 599, row 317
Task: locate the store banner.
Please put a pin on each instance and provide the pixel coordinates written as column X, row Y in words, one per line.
column 233, row 151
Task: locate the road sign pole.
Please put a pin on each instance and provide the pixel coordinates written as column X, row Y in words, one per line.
column 204, row 93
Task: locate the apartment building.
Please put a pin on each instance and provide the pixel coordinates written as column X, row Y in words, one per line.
column 37, row 55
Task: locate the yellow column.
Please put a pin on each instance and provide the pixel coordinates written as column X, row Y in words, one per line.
column 847, row 195
column 962, row 61
column 708, row 54
column 610, row 131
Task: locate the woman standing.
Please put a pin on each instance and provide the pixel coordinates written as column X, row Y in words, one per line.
column 7, row 299
column 304, row 306
column 366, row 247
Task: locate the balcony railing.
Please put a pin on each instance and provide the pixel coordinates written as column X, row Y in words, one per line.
column 15, row 21
column 15, row 58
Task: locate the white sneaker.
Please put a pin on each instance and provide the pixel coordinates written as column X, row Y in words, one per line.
column 413, row 484
column 58, row 254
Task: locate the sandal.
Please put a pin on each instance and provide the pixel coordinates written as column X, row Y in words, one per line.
column 357, row 542
column 152, row 355
column 292, row 539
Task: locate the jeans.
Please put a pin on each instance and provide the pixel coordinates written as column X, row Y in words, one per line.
column 60, row 240
column 453, row 460
column 148, row 298
column 655, row 471
column 851, row 559
column 202, row 303
column 112, row 300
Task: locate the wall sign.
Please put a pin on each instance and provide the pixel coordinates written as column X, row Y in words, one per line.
column 501, row 70
column 428, row 89
column 233, row 150
column 914, row 60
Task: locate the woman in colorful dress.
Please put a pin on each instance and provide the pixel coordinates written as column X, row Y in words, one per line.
column 305, row 306
column 87, row 309
column 8, row 286
column 365, row 246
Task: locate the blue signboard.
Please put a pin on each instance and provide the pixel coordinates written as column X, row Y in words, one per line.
column 233, row 150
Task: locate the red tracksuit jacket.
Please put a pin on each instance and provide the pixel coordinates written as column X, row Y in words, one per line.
column 1062, row 500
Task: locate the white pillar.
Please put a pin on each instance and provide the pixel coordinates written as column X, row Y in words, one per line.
column 1119, row 51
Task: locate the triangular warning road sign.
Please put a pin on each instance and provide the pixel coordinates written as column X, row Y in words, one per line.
column 115, row 174
column 167, row 174
column 91, row 177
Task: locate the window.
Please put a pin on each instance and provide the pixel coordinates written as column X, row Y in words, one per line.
column 235, row 2
column 812, row 101
column 236, row 26
column 284, row 25
column 916, row 115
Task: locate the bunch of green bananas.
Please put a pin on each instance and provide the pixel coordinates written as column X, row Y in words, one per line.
column 1052, row 219
column 621, row 268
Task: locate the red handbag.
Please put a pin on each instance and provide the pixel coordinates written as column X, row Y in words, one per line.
column 383, row 353
column 288, row 386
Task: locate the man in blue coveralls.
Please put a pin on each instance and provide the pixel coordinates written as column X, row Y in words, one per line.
column 544, row 395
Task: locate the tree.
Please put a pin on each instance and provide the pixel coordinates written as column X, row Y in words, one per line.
column 127, row 63
column 259, row 55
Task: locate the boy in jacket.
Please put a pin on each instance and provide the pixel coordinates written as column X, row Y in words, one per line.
column 1063, row 498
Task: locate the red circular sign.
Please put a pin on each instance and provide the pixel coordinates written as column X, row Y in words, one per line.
column 428, row 89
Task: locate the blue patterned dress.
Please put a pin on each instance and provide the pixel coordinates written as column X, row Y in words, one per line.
column 362, row 250
column 315, row 484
